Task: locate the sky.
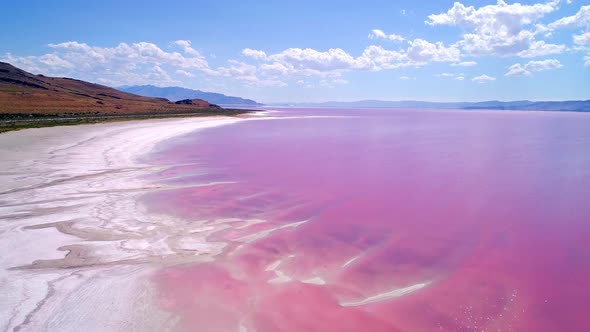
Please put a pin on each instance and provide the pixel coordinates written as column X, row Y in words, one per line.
column 311, row 51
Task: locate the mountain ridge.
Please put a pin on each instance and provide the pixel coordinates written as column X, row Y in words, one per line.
column 176, row 93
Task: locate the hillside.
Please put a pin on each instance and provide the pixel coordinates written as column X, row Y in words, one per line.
column 25, row 93
column 177, row 93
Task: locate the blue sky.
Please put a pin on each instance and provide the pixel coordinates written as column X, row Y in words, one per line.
column 287, row 51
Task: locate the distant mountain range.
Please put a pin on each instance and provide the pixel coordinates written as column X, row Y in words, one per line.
column 571, row 105
column 176, row 93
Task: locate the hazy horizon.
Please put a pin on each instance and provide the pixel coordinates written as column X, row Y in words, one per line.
column 360, row 100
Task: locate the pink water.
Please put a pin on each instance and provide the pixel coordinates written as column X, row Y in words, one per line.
column 479, row 220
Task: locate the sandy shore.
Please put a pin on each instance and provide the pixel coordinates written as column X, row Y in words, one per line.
column 77, row 248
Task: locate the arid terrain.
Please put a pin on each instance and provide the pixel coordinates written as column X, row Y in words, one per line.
column 28, row 100
column 24, row 93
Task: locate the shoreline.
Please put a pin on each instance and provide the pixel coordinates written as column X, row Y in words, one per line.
column 13, row 122
column 72, row 225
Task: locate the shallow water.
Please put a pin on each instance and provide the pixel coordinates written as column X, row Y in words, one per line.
column 383, row 220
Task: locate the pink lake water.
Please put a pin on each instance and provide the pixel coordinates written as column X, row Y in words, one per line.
column 383, row 220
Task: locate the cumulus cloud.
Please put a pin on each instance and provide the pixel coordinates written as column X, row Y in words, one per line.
column 187, row 48
column 500, row 29
column 423, row 51
column 483, row 79
column 332, row 83
column 580, row 19
column 308, row 58
column 137, row 63
column 55, row 61
column 459, row 77
column 464, row 64
column 139, row 53
column 333, row 62
column 238, row 70
column 493, row 17
column 254, row 54
column 582, row 39
column 184, row 73
column 276, row 68
column 339, row 81
column 540, row 48
column 377, row 58
column 248, row 74
column 379, row 34
column 533, row 66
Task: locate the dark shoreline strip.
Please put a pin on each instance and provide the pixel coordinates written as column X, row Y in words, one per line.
column 11, row 122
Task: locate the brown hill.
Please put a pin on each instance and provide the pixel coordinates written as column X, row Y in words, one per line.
column 24, row 93
column 197, row 102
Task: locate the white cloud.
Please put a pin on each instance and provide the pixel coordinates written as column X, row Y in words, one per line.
column 493, row 17
column 136, row 53
column 184, row 73
column 276, row 68
column 500, row 29
column 464, row 64
column 540, row 48
column 238, row 70
column 332, row 63
column 311, row 62
column 582, row 39
column 379, row 34
column 580, row 19
column 459, row 77
column 137, row 63
column 269, row 83
column 332, row 83
column 544, row 30
column 483, row 79
column 187, row 48
column 423, row 51
column 247, row 74
column 55, row 61
column 254, row 54
column 533, row 66
column 406, row 78
column 377, row 58
column 160, row 74
column 308, row 58
column 376, row 33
